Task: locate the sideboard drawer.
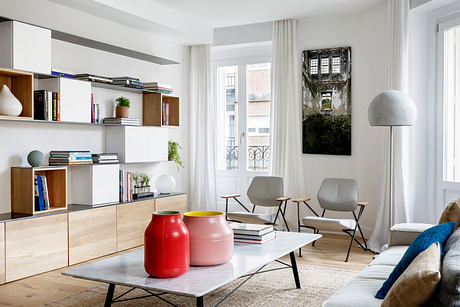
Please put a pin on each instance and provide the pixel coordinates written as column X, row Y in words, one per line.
column 92, row 233
column 35, row 245
column 132, row 219
column 172, row 203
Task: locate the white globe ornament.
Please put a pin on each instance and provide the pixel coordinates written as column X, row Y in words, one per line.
column 165, row 184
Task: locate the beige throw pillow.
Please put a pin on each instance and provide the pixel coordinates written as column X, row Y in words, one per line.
column 451, row 214
column 418, row 282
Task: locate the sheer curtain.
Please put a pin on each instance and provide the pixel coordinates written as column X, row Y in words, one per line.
column 202, row 176
column 397, row 79
column 286, row 110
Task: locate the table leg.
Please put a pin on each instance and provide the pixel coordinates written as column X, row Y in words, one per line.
column 294, row 270
column 199, row 302
column 109, row 297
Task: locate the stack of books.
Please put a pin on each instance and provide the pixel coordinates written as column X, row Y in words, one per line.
column 47, row 105
column 70, row 158
column 121, row 121
column 158, row 87
column 93, row 78
column 126, row 186
column 105, row 158
column 253, row 233
column 165, row 114
column 42, row 201
column 127, row 81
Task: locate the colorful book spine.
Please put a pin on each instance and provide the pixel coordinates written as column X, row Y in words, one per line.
column 54, row 106
column 45, row 193
column 36, row 198
column 92, row 108
column 40, row 194
column 58, row 107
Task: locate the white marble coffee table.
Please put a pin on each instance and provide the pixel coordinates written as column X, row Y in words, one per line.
column 248, row 259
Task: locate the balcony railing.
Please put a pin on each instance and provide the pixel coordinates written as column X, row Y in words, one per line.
column 258, row 157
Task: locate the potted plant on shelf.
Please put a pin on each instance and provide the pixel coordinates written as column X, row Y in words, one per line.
column 173, row 154
column 122, row 110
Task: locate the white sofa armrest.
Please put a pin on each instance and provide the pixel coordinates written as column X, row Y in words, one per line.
column 405, row 233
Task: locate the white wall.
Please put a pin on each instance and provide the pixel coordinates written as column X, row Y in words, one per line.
column 17, row 139
column 364, row 31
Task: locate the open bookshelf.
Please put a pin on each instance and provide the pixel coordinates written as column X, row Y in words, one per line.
column 160, row 110
column 23, row 191
column 21, row 85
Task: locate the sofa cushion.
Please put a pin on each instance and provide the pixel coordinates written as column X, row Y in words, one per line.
column 451, row 214
column 439, row 233
column 405, row 233
column 418, row 282
column 359, row 292
column 391, row 256
column 448, row 291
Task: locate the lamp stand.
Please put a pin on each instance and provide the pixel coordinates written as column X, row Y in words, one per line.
column 390, row 209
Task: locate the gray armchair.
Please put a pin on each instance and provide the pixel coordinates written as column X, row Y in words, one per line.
column 335, row 194
column 264, row 191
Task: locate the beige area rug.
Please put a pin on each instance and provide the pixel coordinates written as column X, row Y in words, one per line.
column 275, row 288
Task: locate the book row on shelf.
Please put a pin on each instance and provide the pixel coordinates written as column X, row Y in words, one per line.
column 41, row 193
column 47, row 105
column 165, row 117
column 95, row 111
column 81, row 158
column 253, row 233
column 126, row 186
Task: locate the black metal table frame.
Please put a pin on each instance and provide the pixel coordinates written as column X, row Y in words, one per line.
column 109, row 300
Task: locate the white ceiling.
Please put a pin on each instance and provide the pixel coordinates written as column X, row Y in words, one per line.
column 224, row 13
column 193, row 21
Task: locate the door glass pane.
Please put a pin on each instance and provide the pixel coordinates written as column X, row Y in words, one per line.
column 227, row 121
column 451, row 105
column 258, row 116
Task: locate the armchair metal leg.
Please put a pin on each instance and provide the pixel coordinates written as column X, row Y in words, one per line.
column 357, row 226
column 298, row 226
column 351, row 242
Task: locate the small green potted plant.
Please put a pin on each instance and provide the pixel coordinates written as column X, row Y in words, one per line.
column 122, row 110
column 173, row 153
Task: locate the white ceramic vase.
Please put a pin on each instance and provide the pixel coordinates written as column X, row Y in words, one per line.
column 165, row 184
column 9, row 104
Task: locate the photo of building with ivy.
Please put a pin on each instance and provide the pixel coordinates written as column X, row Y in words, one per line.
column 326, row 124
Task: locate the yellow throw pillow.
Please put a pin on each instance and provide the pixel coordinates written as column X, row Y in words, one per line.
column 418, row 282
column 451, row 214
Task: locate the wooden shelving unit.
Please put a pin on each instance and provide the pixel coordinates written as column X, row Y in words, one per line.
column 22, row 188
column 152, row 110
column 21, row 85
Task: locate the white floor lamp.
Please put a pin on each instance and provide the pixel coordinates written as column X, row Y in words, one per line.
column 392, row 108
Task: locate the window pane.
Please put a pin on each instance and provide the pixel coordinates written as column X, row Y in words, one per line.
column 227, row 113
column 451, row 106
column 325, row 65
column 258, row 118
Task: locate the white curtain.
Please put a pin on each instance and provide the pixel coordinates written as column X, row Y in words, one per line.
column 286, row 111
column 397, row 72
column 202, row 176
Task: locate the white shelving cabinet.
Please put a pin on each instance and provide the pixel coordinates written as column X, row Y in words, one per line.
column 137, row 144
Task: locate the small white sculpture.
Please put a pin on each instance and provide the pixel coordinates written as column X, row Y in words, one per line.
column 9, row 104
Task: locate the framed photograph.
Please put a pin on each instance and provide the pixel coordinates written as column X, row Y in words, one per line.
column 326, row 120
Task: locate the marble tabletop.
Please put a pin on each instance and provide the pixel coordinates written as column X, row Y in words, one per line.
column 128, row 269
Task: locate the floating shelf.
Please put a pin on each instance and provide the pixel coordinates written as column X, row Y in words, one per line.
column 152, row 109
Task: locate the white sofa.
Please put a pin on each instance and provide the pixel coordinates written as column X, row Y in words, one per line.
column 361, row 290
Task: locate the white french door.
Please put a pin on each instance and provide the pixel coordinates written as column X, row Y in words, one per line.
column 448, row 113
column 242, row 92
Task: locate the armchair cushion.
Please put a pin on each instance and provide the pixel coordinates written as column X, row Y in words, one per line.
column 330, row 224
column 451, row 214
column 249, row 217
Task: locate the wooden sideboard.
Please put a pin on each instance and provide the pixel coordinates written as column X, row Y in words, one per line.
column 31, row 245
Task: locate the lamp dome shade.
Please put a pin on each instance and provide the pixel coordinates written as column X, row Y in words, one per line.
column 392, row 108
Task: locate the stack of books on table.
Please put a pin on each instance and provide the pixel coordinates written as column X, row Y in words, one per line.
column 105, row 158
column 121, row 121
column 70, row 158
column 158, row 87
column 128, row 82
column 253, row 233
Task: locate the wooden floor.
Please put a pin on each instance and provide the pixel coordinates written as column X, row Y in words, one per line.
column 38, row 290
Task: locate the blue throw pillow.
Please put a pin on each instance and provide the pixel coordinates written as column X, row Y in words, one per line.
column 439, row 233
